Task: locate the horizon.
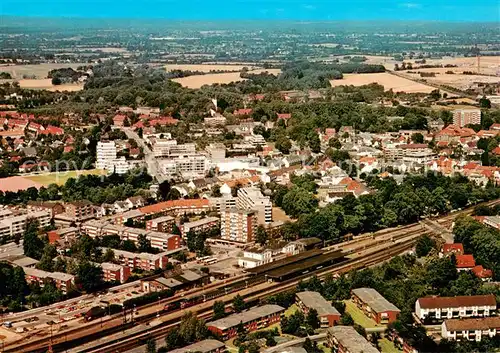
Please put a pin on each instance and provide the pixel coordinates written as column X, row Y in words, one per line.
column 460, row 11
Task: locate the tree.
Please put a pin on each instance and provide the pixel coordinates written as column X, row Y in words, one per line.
column 283, row 144
column 109, row 256
column 485, row 103
column 32, row 245
column 46, row 263
column 424, row 245
column 312, row 319
column 346, row 319
column 417, row 138
column 89, row 276
column 298, row 201
column 56, row 81
column 314, row 142
column 261, row 235
column 151, row 346
column 238, row 304
column 144, row 243
column 219, row 310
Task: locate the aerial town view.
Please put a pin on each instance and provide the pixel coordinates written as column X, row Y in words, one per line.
column 249, row 176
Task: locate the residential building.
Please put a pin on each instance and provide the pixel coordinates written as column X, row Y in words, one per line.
column 374, row 305
column 53, row 207
column 186, row 166
column 143, row 261
column 170, row 148
column 205, row 346
column 471, row 329
column 455, row 248
column 439, row 308
column 465, row 262
column 238, row 225
column 253, row 257
column 327, row 314
column 80, row 211
column 15, row 226
column 253, row 319
column 251, row 198
column 177, row 207
column 345, row 339
column 463, row 117
column 161, row 224
column 106, row 152
column 115, row 273
column 216, row 152
column 62, row 281
column 201, row 225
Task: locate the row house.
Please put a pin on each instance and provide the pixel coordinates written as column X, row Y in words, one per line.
column 471, row 329
column 177, row 207
column 327, row 314
column 439, row 308
column 374, row 305
column 62, row 281
column 253, row 319
column 143, row 261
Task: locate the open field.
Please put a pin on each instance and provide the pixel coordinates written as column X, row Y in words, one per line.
column 46, row 83
column 60, row 178
column 207, row 67
column 397, row 84
column 39, row 71
column 387, row 346
column 198, row 81
column 457, row 80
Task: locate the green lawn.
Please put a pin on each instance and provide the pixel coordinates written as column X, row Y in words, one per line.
column 387, row 346
column 324, row 348
column 358, row 316
column 60, row 178
column 292, row 309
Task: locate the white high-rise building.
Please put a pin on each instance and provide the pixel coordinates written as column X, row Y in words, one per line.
column 251, row 198
column 106, row 152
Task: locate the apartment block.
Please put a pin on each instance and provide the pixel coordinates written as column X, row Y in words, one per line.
column 471, row 329
column 14, row 226
column 253, row 319
column 251, row 198
column 205, row 346
column 170, row 148
column 201, row 225
column 106, row 152
column 345, row 339
column 161, row 224
column 53, row 207
column 80, row 211
column 374, row 305
column 159, row 240
column 440, row 308
column 238, row 225
column 187, row 166
column 462, row 117
column 62, row 281
column 113, row 272
column 143, row 261
column 327, row 314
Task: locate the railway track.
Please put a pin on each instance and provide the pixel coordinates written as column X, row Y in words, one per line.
column 395, row 240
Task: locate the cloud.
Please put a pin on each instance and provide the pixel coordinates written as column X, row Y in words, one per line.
column 410, row 5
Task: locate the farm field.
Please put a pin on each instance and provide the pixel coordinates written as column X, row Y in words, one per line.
column 457, row 80
column 46, row 83
column 397, row 84
column 39, row 71
column 198, row 81
column 207, row 67
column 60, row 178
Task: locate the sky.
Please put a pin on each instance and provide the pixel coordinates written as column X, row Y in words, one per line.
column 431, row 10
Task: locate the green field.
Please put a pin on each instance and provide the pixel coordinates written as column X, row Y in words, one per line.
column 60, row 177
column 358, row 316
column 292, row 309
column 387, row 346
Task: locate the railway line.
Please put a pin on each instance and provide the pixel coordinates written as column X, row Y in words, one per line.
column 364, row 251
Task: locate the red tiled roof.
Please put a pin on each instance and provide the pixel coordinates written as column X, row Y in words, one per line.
column 465, row 261
column 52, row 130
column 496, row 151
column 454, row 302
column 481, row 272
column 53, row 236
column 243, row 112
column 167, row 205
column 453, row 248
column 284, row 116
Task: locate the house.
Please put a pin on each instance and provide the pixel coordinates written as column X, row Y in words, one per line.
column 471, row 329
column 327, row 314
column 374, row 305
column 252, row 319
column 52, row 130
column 120, row 206
column 135, row 202
column 53, row 207
column 345, row 339
column 465, row 262
column 456, row 248
column 439, row 308
column 482, row 273
column 242, row 112
column 254, row 256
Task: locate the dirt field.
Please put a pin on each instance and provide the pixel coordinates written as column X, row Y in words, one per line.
column 207, row 67
column 398, row 84
column 457, row 80
column 46, row 83
column 40, row 71
column 200, row 80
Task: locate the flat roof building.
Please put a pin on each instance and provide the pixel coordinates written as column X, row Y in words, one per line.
column 374, row 305
column 327, row 314
column 345, row 339
column 205, row 346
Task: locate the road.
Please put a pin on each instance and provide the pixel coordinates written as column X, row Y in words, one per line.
column 151, row 162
